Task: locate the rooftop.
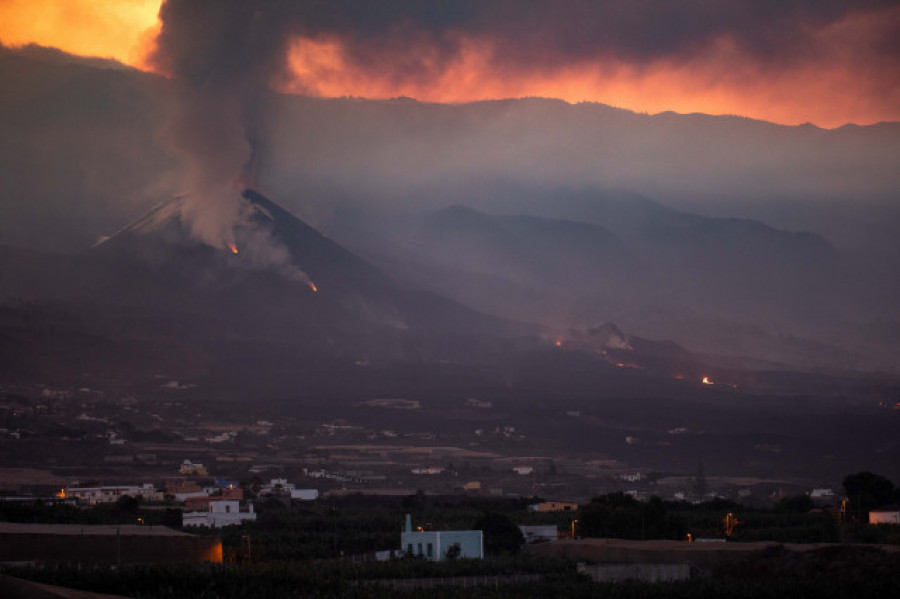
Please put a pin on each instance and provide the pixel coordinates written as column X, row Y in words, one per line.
column 88, row 529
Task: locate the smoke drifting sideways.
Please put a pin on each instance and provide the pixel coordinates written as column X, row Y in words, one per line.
column 225, row 55
column 768, row 60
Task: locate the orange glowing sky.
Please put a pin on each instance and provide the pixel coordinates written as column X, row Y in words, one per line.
column 119, row 29
column 832, row 84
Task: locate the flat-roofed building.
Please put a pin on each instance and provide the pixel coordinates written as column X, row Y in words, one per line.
column 538, row 533
column 114, row 544
column 553, row 506
column 440, row 545
column 889, row 514
column 226, row 512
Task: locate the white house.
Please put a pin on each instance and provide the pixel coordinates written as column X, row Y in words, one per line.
column 188, row 467
column 824, row 497
column 226, row 512
column 434, row 545
column 539, row 533
column 277, row 485
column 305, row 494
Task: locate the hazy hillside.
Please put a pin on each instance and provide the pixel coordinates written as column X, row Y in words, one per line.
column 729, row 235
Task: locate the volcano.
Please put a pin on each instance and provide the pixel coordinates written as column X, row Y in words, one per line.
column 277, row 269
column 278, row 299
column 274, row 307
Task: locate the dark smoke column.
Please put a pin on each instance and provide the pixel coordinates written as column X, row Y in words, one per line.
column 222, row 55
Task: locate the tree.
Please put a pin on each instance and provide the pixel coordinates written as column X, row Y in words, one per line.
column 700, row 485
column 617, row 515
column 612, row 515
column 501, row 535
column 867, row 491
column 800, row 504
column 128, row 504
column 172, row 518
column 453, row 551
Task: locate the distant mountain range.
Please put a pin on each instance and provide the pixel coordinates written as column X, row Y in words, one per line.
column 716, row 285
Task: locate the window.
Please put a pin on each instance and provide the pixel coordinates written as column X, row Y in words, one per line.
column 420, row 548
column 430, row 550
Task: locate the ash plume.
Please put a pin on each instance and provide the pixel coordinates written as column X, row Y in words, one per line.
column 221, row 56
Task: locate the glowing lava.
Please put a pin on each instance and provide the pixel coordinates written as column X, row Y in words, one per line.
column 559, row 344
column 233, row 248
column 313, row 287
column 705, row 380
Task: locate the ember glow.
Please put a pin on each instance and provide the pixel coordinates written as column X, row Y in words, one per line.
column 313, row 287
column 233, row 248
column 705, row 380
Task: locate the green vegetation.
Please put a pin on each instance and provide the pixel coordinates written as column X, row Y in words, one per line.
column 866, row 491
column 501, row 534
column 848, row 574
column 621, row 516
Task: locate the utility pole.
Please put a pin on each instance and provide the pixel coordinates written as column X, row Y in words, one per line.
column 247, row 537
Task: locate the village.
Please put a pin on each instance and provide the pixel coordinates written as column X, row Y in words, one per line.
column 62, row 441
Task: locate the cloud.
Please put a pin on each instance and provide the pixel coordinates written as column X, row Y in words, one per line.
column 791, row 61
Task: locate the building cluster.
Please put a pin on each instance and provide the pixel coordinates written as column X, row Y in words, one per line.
column 280, row 486
column 220, row 504
column 553, row 506
column 94, row 495
column 189, row 468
